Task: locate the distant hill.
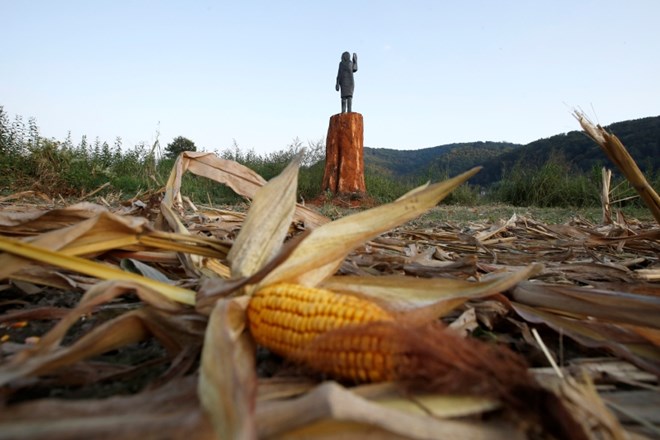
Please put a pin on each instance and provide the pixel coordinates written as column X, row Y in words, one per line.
column 431, row 162
column 640, row 136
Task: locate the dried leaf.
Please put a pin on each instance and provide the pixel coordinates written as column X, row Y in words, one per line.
column 266, row 224
column 405, row 293
column 46, row 220
column 332, row 406
column 227, row 381
column 323, row 251
column 135, row 266
column 618, row 340
column 91, row 268
column 606, row 305
column 125, row 329
column 171, row 411
column 104, row 225
column 436, row 405
column 272, row 388
column 239, row 178
column 588, row 408
column 99, row 294
column 47, row 355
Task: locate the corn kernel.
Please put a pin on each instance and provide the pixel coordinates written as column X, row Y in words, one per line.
column 287, row 319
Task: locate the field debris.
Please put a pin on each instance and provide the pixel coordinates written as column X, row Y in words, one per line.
column 617, row 153
column 130, row 320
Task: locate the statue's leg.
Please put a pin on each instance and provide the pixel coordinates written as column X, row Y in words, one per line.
column 343, row 105
column 349, row 101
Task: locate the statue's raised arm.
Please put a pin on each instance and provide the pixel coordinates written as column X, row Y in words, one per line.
column 345, row 80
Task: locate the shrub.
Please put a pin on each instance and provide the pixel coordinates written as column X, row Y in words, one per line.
column 466, row 195
column 554, row 183
column 178, row 145
column 310, row 179
column 384, row 188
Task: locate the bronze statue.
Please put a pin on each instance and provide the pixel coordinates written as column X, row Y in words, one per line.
column 345, row 80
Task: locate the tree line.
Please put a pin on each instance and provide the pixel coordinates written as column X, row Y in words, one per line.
column 54, row 167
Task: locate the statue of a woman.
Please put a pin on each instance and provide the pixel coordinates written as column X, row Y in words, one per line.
column 345, row 80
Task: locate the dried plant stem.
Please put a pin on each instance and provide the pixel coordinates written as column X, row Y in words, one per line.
column 618, row 154
column 547, row 354
column 605, row 196
column 105, row 185
column 92, row 268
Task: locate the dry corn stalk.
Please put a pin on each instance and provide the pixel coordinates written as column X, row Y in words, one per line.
column 605, row 196
column 618, row 154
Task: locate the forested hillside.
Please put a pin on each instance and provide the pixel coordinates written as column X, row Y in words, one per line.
column 434, row 162
column 640, row 136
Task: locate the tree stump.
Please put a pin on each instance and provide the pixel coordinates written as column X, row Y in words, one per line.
column 344, row 155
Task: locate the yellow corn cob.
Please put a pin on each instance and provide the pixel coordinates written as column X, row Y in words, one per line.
column 355, row 339
column 313, row 326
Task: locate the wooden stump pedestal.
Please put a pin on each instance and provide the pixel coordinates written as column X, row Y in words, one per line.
column 344, row 155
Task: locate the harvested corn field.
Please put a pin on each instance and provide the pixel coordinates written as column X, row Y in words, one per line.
column 159, row 318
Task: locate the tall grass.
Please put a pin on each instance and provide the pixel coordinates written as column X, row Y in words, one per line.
column 384, row 188
column 29, row 161
column 270, row 165
column 555, row 183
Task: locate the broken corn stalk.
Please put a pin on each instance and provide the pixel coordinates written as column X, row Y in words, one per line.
column 298, row 323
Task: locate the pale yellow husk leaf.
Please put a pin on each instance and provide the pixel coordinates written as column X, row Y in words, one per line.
column 266, row 223
column 404, row 293
column 91, row 268
column 228, row 381
column 319, row 255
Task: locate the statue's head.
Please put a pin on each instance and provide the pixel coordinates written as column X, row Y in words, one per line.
column 346, row 56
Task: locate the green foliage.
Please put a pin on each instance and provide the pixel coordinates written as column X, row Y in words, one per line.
column 311, row 172
column 310, row 179
column 29, row 161
column 5, row 135
column 640, row 136
column 178, row 146
column 464, row 195
column 555, row 183
column 384, row 188
column 435, row 162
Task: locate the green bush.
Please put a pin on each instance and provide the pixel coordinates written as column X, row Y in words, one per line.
column 465, row 195
column 29, row 161
column 384, row 188
column 310, row 179
column 554, row 183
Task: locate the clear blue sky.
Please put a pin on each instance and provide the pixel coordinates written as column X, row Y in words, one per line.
column 263, row 72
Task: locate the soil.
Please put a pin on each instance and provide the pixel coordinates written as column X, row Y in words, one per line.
column 352, row 200
column 126, row 370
